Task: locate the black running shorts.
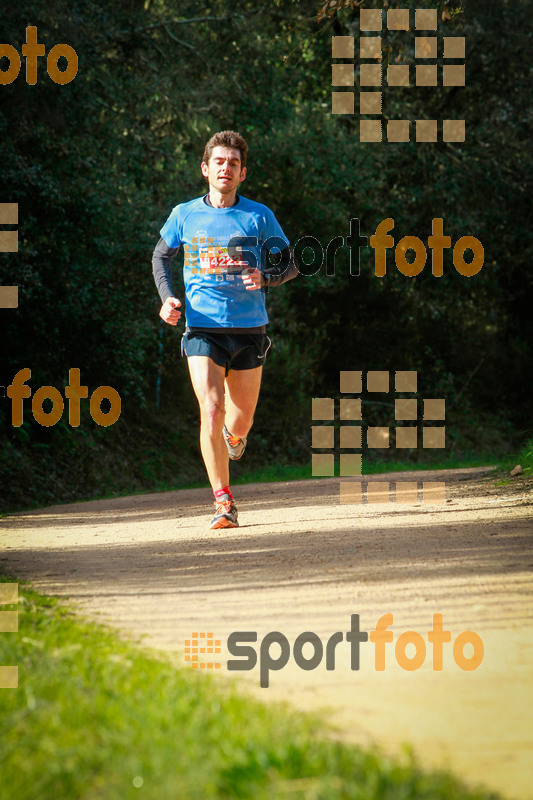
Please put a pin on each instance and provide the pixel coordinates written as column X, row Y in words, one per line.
column 229, row 350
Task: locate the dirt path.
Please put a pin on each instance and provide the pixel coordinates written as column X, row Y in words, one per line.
column 301, row 562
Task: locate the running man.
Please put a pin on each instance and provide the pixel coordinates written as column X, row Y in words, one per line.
column 225, row 239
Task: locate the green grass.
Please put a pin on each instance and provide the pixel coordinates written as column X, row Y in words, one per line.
column 93, row 713
column 524, row 458
column 370, row 467
column 299, row 472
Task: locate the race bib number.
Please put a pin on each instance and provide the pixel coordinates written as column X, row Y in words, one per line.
column 216, row 260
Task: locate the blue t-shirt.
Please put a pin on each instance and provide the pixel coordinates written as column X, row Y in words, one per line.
column 214, row 241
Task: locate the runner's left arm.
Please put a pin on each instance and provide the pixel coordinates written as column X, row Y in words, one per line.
column 284, row 270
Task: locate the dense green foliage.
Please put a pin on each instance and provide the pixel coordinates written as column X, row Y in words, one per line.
column 97, row 164
column 93, row 716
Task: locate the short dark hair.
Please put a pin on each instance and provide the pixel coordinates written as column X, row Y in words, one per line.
column 230, row 139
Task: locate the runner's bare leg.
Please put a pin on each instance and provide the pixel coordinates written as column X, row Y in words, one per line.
column 234, row 398
column 242, row 392
column 208, row 384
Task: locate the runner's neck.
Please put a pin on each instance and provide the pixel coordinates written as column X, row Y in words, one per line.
column 207, row 200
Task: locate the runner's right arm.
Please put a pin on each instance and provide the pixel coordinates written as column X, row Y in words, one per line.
column 163, row 280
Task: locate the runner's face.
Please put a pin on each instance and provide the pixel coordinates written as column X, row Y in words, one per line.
column 224, row 171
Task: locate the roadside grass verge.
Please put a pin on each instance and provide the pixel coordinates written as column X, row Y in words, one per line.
column 370, row 467
column 274, row 473
column 97, row 717
column 524, row 458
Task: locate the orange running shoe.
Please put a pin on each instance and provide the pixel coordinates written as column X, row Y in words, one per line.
column 236, row 446
column 226, row 515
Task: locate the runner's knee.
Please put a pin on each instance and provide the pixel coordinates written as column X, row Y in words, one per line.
column 240, row 424
column 212, row 414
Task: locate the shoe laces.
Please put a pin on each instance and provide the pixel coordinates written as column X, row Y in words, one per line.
column 233, row 441
column 223, row 504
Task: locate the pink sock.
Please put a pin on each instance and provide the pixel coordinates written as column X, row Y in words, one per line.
column 219, row 492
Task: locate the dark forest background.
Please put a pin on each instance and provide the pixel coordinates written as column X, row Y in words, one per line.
column 96, row 166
